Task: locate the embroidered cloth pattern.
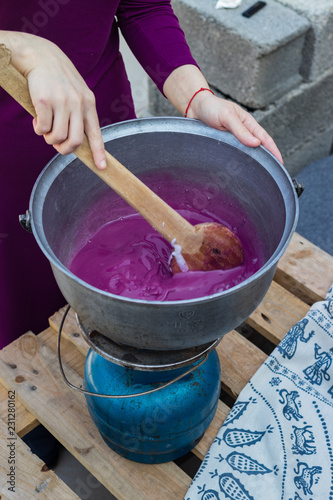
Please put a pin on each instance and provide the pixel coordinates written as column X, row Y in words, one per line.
column 277, row 441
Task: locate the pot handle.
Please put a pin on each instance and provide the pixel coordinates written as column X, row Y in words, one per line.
column 298, row 186
column 116, row 396
column 25, row 221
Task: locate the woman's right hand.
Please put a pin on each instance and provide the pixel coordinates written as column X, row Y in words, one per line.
column 64, row 104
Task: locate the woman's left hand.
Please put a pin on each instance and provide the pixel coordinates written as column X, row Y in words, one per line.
column 227, row 115
column 181, row 88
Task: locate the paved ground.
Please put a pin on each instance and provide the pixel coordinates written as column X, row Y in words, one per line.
column 316, row 203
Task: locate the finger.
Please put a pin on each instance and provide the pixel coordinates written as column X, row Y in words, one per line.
column 270, row 145
column 75, row 135
column 60, row 126
column 95, row 138
column 44, row 120
column 235, row 125
column 244, row 135
column 265, row 139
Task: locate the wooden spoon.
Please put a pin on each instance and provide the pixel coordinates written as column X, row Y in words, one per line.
column 203, row 247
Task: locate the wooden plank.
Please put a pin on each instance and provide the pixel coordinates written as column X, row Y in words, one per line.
column 204, row 444
column 239, row 361
column 305, row 270
column 71, row 330
column 64, row 412
column 279, row 311
column 31, row 479
column 25, row 422
column 69, row 354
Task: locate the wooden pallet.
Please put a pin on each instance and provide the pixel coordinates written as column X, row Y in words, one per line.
column 29, row 366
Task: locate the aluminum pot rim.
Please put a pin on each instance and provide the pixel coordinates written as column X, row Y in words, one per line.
column 190, row 125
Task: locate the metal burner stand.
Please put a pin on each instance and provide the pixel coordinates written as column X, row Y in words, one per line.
column 149, row 406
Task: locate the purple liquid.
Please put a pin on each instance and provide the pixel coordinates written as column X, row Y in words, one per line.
column 128, row 257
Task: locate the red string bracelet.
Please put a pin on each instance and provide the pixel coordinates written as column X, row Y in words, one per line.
column 193, row 96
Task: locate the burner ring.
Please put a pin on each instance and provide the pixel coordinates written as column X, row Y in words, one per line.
column 142, row 359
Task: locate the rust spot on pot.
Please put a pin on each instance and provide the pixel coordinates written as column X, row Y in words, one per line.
column 19, row 379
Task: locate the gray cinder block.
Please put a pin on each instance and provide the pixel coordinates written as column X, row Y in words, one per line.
column 255, row 61
column 301, row 122
column 318, row 49
column 318, row 147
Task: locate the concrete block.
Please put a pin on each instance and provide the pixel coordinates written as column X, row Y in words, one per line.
column 255, row 61
column 318, row 147
column 298, row 118
column 318, row 48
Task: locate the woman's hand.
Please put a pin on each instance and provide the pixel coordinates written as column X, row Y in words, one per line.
column 219, row 113
column 64, row 105
column 226, row 115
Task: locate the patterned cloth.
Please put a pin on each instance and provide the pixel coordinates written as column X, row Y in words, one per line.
column 277, row 441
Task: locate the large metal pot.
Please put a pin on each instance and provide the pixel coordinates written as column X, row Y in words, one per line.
column 69, row 203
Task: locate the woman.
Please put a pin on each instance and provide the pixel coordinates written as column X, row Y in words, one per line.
column 69, row 52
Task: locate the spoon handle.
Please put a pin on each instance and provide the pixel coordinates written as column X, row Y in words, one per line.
column 159, row 214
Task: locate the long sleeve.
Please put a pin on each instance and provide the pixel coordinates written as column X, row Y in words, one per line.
column 152, row 32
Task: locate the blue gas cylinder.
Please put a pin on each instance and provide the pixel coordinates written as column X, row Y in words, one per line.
column 156, row 427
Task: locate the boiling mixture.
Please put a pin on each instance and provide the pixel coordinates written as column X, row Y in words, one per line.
column 128, row 257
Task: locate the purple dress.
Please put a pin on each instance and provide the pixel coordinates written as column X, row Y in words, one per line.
column 87, row 31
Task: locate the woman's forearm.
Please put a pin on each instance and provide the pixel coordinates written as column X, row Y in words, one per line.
column 181, row 85
column 23, row 46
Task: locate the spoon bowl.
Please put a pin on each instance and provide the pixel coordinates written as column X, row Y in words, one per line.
column 220, row 248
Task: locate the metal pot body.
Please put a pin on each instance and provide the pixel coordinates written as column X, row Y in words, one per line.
column 69, row 203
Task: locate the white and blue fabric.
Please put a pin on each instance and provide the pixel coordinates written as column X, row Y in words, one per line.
column 277, row 441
